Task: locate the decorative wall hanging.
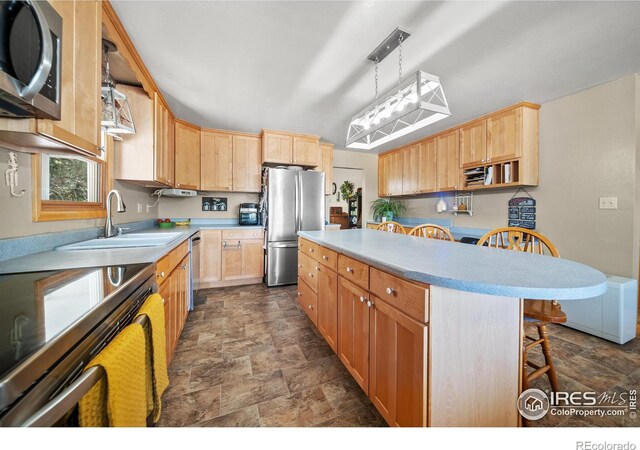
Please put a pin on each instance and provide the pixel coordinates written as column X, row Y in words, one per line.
column 522, row 211
column 214, row 203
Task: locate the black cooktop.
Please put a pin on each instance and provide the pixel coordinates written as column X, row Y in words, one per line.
column 38, row 308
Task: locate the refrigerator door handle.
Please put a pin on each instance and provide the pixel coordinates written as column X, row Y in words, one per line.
column 299, row 203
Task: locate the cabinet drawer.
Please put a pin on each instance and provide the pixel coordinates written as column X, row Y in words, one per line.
column 168, row 262
column 178, row 253
column 307, row 270
column 328, row 258
column 308, row 301
column 252, row 233
column 354, row 271
column 411, row 299
column 308, row 247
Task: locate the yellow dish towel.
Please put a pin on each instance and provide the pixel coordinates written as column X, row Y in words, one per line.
column 120, row 399
column 157, row 356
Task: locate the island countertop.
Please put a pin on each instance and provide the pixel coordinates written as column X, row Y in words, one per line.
column 466, row 267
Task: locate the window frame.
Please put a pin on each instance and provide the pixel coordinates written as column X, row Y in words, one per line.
column 50, row 210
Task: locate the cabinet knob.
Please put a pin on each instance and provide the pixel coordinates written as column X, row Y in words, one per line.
column 483, row 160
column 299, row 294
column 311, row 250
column 310, row 307
column 318, row 268
column 361, row 299
column 310, row 275
column 324, row 257
column 300, row 265
column 391, row 291
column 489, row 160
column 160, row 275
column 349, row 270
column 369, row 304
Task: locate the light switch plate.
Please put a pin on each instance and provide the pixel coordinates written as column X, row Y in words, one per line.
column 608, row 202
column 139, row 207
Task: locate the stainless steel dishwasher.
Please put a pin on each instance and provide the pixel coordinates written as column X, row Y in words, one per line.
column 194, row 243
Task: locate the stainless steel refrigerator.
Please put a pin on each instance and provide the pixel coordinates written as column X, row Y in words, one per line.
column 293, row 200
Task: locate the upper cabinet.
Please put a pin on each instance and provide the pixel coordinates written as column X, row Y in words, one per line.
column 281, row 147
column 306, row 151
column 79, row 126
column 187, row 157
column 146, row 157
column 497, row 150
column 327, row 167
column 230, row 161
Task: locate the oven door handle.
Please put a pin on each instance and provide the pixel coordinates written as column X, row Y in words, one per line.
column 46, row 55
column 53, row 411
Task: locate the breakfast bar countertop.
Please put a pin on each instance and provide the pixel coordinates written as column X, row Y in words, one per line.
column 466, row 267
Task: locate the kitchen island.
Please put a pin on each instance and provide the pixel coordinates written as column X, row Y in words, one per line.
column 431, row 330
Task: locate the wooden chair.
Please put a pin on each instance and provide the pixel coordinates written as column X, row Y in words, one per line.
column 391, row 227
column 432, row 231
column 537, row 313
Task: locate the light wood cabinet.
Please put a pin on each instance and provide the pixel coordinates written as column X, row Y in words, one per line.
column 390, row 174
column 247, row 166
column 147, row 156
column 473, row 144
column 419, row 168
column 398, row 370
column 216, row 163
column 210, row 258
column 277, row 147
column 231, row 257
column 308, row 301
column 328, row 306
column 306, row 151
column 353, row 331
column 187, row 156
column 327, row 167
column 504, row 135
column 80, row 73
column 448, row 154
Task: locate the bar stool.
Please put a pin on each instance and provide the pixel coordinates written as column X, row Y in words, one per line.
column 431, row 231
column 391, row 227
column 537, row 313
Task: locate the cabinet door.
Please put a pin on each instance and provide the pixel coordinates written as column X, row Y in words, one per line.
column 448, row 154
column 210, row 256
column 398, row 385
column 277, row 148
column 163, row 145
column 410, row 169
column 308, row 301
column 327, row 167
column 382, row 175
column 184, row 274
column 427, row 167
column 80, row 71
column 328, row 306
column 473, row 144
column 306, row 151
column 166, row 293
column 353, row 331
column 170, row 149
column 231, row 259
column 394, row 179
column 215, row 161
column 246, row 164
column 252, row 258
column 187, row 160
column 504, row 138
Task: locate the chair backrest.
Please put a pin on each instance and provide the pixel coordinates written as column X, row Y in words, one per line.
column 391, row 227
column 432, row 231
column 519, row 239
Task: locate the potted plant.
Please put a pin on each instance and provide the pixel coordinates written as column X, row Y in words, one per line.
column 384, row 209
column 346, row 189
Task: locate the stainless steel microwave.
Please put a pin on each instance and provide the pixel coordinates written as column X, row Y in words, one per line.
column 30, row 48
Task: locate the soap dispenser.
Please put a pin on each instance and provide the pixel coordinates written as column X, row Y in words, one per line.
column 441, row 206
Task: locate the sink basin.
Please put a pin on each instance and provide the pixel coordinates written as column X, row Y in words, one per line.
column 131, row 240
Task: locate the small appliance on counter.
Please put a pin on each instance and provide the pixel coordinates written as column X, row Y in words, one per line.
column 248, row 214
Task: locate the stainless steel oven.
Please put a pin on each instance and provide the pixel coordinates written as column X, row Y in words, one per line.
column 30, row 49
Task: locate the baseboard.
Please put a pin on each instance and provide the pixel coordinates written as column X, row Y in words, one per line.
column 228, row 283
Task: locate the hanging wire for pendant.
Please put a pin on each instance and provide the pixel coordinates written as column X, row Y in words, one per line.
column 376, row 77
column 400, row 39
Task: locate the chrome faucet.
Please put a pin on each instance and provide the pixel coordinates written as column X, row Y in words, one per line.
column 109, row 229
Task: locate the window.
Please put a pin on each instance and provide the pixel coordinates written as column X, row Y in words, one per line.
column 68, row 187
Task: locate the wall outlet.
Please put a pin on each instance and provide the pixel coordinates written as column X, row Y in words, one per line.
column 139, row 207
column 608, row 202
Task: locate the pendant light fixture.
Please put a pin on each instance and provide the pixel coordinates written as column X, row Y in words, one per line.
column 116, row 115
column 415, row 102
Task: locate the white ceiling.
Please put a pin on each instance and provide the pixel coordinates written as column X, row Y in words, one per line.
column 302, row 67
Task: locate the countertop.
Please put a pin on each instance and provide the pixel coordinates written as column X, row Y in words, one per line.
column 70, row 259
column 466, row 267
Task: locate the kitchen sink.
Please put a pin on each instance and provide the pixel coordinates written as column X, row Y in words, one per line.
column 125, row 241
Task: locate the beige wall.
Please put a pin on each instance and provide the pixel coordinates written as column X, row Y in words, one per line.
column 588, row 146
column 340, row 175
column 16, row 217
column 191, row 207
column 369, row 164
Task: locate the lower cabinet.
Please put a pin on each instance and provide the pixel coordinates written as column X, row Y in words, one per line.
column 328, row 306
column 308, row 301
column 353, row 331
column 398, row 366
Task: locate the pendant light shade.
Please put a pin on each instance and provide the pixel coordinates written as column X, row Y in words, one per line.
column 414, row 103
column 116, row 114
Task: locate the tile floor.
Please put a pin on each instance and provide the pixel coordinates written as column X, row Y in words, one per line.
column 249, row 357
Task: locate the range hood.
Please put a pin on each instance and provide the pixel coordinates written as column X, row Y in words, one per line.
column 177, row 193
